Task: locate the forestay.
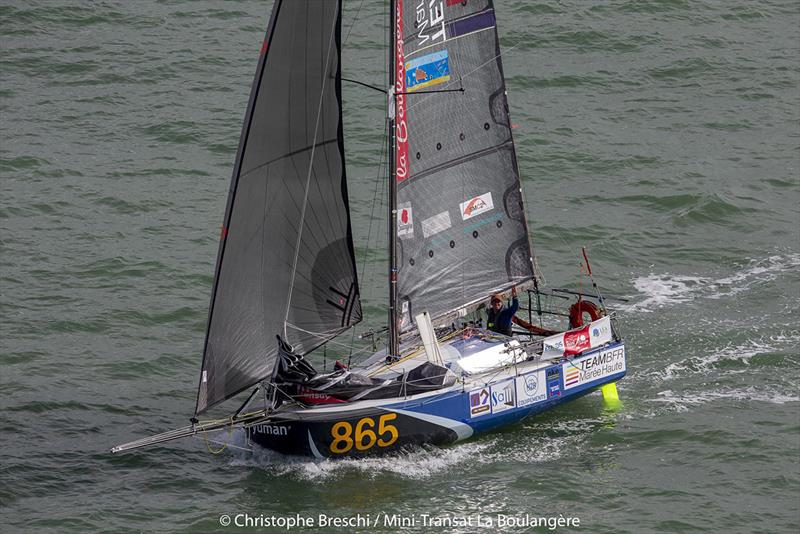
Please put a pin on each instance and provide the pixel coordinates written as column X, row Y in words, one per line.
column 461, row 223
column 286, row 261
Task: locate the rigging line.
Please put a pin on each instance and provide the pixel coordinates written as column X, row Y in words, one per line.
column 329, row 340
column 459, row 90
column 208, row 441
column 374, row 197
column 473, row 71
column 371, row 220
column 381, row 206
column 308, row 177
column 321, row 335
column 364, row 84
column 354, row 23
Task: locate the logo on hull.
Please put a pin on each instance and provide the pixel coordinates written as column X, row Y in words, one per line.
column 479, row 402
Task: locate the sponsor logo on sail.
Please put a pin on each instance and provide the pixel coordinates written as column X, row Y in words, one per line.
column 437, row 223
column 479, row 402
column 400, row 115
column 405, row 220
column 594, row 367
column 428, row 70
column 503, row 396
column 531, row 388
column 476, row 205
column 405, row 313
column 430, row 21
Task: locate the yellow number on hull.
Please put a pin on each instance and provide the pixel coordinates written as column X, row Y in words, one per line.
column 341, row 437
column 384, row 428
column 361, row 434
column 365, row 437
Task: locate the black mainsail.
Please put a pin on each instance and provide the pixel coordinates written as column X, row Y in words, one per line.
column 461, row 225
column 286, row 263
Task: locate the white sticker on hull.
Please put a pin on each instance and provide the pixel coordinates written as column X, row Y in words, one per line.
column 531, row 388
column 503, row 396
column 480, row 402
column 590, row 368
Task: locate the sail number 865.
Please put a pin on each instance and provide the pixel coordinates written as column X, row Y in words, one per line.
column 365, row 436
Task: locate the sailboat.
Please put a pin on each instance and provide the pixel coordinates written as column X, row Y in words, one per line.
column 286, row 283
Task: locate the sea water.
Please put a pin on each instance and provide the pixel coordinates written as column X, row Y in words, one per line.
column 661, row 134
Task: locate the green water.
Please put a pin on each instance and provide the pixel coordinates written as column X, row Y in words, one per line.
column 662, row 134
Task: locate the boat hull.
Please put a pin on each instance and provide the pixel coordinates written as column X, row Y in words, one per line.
column 377, row 427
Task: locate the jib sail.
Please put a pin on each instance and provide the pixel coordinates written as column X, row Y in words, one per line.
column 461, row 225
column 286, row 261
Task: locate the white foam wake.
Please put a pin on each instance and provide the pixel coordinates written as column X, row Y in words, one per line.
column 418, row 463
column 659, row 290
column 684, row 402
column 742, row 352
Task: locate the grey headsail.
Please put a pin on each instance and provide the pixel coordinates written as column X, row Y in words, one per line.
column 286, row 262
column 461, row 223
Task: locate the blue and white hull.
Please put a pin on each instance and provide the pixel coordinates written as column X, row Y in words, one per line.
column 474, row 404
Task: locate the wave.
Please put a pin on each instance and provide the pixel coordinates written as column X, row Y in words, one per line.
column 657, row 291
column 414, row 463
column 683, row 402
column 544, row 442
column 741, row 353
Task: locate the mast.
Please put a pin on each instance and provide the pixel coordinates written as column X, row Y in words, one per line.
column 394, row 342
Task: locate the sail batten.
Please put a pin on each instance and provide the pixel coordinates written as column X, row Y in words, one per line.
column 286, row 254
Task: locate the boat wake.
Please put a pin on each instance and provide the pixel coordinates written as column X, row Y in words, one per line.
column 420, row 462
column 755, row 370
column 684, row 402
column 414, row 463
column 660, row 290
column 734, row 358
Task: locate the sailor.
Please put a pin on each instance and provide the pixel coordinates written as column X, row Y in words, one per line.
column 500, row 317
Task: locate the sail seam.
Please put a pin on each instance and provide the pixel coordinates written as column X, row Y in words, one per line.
column 285, row 156
column 505, row 145
column 450, row 40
